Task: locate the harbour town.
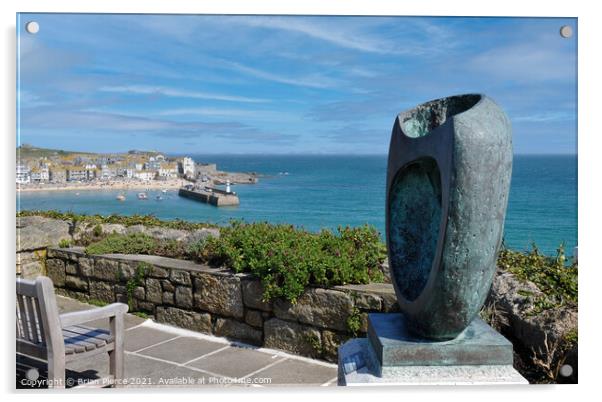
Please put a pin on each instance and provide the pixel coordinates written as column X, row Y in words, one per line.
column 42, row 169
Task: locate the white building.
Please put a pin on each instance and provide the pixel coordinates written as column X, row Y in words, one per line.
column 144, row 175
column 107, row 173
column 187, row 167
column 77, row 174
column 168, row 171
column 126, row 172
column 40, row 174
column 152, row 164
column 23, row 174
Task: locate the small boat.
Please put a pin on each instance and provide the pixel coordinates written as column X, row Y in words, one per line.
column 159, row 198
column 120, row 197
column 76, row 193
column 164, row 191
column 142, row 196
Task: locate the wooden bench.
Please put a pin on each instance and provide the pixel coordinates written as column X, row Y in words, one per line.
column 45, row 334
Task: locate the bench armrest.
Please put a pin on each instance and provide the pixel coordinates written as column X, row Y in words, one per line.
column 80, row 317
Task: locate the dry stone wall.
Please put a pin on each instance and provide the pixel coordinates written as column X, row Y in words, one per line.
column 34, row 234
column 218, row 301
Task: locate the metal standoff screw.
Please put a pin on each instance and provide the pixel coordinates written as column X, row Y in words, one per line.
column 32, row 27
column 566, row 31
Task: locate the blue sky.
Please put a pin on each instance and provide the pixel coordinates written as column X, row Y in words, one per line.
column 283, row 84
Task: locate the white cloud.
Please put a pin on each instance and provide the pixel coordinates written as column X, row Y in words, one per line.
column 527, row 62
column 26, row 99
column 352, row 33
column 90, row 121
column 327, row 32
column 248, row 114
column 546, row 117
column 177, row 93
column 312, row 81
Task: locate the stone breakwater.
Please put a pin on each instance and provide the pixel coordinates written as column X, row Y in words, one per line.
column 220, row 302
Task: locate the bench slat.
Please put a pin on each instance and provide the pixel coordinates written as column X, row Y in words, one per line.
column 34, row 319
column 79, row 339
column 23, row 318
column 40, row 321
column 20, row 334
column 96, row 334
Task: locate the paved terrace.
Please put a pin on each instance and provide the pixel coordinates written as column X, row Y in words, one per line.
column 158, row 355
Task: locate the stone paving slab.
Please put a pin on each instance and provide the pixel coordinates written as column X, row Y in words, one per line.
column 181, row 350
column 235, row 362
column 298, row 372
column 141, row 337
column 148, row 372
column 163, row 356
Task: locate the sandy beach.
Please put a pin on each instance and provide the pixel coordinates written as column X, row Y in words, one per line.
column 102, row 185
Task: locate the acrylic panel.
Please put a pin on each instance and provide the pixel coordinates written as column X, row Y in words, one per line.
column 153, row 134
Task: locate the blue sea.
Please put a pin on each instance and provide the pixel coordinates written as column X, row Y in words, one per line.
column 327, row 191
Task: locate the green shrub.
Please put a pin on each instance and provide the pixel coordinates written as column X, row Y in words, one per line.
column 554, row 276
column 146, row 220
column 141, row 314
column 287, row 259
column 97, row 231
column 170, row 248
column 142, row 271
column 98, row 303
column 354, row 321
column 64, row 243
column 197, row 248
column 135, row 243
column 138, row 243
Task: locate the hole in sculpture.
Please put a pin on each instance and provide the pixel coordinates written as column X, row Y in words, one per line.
column 420, row 121
column 414, row 219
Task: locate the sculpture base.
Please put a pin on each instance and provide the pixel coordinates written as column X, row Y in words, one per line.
column 392, row 356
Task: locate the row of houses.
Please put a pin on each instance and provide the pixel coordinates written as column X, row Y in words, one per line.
column 154, row 168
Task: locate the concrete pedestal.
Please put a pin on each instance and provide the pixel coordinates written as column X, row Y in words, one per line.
column 392, row 356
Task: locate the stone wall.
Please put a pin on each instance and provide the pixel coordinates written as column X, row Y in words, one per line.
column 219, row 302
column 34, row 235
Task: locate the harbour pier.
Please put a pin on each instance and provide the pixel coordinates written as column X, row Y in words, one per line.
column 209, row 195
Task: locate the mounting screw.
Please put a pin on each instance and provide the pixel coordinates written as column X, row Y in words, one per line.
column 32, row 27
column 566, row 370
column 566, row 31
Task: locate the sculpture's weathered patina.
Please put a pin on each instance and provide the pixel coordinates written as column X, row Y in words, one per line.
column 448, row 178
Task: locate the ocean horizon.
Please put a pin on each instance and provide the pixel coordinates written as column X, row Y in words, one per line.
column 316, row 191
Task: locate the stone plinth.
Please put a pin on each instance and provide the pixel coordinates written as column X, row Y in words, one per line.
column 391, row 355
column 394, row 345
